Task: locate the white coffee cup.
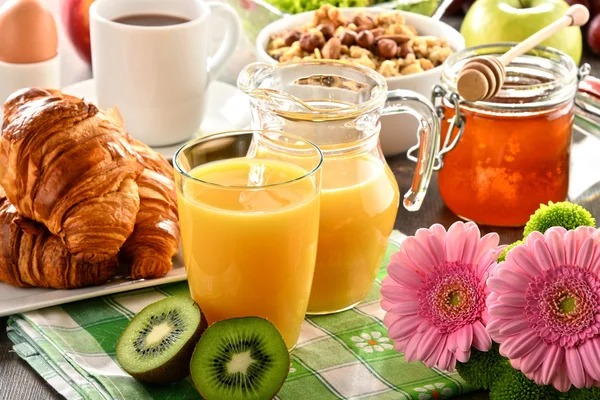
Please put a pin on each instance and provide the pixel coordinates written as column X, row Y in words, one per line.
column 157, row 76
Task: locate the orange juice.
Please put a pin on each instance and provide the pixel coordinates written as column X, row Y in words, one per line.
column 359, row 202
column 250, row 248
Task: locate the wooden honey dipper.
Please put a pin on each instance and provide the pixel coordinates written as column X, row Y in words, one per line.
column 481, row 78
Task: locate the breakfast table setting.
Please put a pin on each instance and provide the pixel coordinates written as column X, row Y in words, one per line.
column 249, row 199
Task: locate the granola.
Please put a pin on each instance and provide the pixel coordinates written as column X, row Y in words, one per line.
column 382, row 42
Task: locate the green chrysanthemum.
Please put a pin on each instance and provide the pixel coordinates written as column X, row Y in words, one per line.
column 565, row 214
column 592, row 393
column 513, row 385
column 483, row 367
column 502, row 256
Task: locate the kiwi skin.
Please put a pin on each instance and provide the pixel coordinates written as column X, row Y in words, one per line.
column 177, row 368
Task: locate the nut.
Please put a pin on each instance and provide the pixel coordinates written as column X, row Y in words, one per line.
column 404, row 50
column 309, row 41
column 291, row 37
column 364, row 21
column 332, row 49
column 347, row 38
column 387, row 48
column 365, row 39
column 327, row 30
column 377, row 32
column 399, row 39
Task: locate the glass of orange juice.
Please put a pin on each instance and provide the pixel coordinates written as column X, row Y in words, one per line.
column 338, row 106
column 249, row 206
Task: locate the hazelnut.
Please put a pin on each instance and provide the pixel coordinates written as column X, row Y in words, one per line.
column 399, row 39
column 365, row 39
column 405, row 50
column 364, row 21
column 332, row 49
column 327, row 30
column 347, row 38
column 309, row 41
column 387, row 48
column 377, row 32
column 291, row 37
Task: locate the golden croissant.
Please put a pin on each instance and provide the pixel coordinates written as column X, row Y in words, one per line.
column 32, row 256
column 155, row 238
column 67, row 165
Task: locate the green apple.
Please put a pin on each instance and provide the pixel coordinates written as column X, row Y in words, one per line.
column 492, row 21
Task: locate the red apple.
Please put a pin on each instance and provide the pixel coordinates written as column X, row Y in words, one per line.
column 584, row 3
column 75, row 16
column 593, row 34
column 594, row 7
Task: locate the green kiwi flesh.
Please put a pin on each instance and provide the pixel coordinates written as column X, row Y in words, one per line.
column 157, row 345
column 240, row 359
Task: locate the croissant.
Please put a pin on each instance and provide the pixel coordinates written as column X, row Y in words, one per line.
column 155, row 239
column 31, row 256
column 65, row 164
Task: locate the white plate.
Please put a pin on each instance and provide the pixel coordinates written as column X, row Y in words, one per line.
column 227, row 109
column 16, row 300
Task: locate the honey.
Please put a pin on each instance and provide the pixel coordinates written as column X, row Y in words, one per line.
column 507, row 155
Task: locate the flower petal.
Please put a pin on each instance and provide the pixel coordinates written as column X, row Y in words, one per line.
column 532, row 361
column 590, row 356
column 542, row 255
column 519, row 346
column 410, row 353
column 368, row 349
column 523, row 259
column 465, row 338
column 570, row 242
column 575, row 367
column 418, row 253
column 405, row 308
column 514, row 326
column 561, row 380
column 556, row 245
column 462, row 356
column 471, row 245
column 513, row 299
column 406, row 276
column 518, row 281
column 585, row 253
column 455, row 241
column 375, row 335
column 403, row 326
column 485, row 263
column 378, row 348
column 503, row 311
column 428, row 344
column 361, row 345
column 487, row 242
column 551, row 365
column 365, row 336
column 387, row 346
column 498, row 285
column 481, row 339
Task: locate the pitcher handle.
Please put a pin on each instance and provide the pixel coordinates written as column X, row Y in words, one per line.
column 408, row 102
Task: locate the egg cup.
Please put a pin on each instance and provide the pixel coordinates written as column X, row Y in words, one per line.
column 45, row 74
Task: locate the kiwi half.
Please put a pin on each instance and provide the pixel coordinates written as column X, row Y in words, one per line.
column 240, row 359
column 157, row 345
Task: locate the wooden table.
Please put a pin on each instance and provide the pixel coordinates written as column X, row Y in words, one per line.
column 18, row 381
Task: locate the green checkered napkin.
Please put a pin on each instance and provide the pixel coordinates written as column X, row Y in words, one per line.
column 341, row 356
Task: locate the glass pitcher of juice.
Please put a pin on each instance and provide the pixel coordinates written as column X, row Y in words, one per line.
column 338, row 106
column 503, row 157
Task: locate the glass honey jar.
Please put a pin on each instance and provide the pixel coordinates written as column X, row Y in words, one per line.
column 501, row 158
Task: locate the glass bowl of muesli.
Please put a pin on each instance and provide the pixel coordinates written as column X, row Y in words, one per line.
column 406, row 48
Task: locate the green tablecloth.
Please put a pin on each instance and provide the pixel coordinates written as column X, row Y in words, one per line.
column 341, row 356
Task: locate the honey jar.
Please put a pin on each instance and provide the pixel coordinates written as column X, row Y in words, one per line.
column 501, row 158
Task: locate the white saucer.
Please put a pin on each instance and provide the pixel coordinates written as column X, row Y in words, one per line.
column 227, row 109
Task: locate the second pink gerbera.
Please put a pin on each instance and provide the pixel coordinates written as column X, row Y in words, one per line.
column 545, row 307
column 435, row 294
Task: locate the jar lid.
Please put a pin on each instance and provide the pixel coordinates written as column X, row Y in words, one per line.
column 541, row 78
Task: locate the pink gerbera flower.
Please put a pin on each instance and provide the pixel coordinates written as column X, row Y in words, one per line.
column 544, row 307
column 435, row 294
